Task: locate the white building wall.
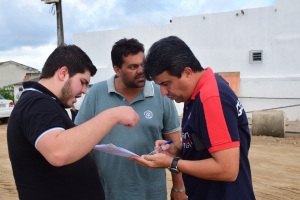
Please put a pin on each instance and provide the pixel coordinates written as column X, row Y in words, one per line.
column 223, row 41
column 11, row 73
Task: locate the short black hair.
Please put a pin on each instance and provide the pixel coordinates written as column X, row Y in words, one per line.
column 170, row 54
column 124, row 47
column 71, row 56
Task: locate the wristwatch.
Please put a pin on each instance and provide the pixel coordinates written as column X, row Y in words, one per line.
column 173, row 168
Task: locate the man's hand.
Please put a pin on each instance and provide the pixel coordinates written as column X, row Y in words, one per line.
column 126, row 116
column 169, row 149
column 158, row 160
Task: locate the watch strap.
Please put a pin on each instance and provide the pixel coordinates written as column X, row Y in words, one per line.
column 173, row 168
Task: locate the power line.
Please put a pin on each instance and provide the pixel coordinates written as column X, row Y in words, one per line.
column 136, row 12
column 151, row 10
column 268, row 97
column 161, row 8
column 274, row 108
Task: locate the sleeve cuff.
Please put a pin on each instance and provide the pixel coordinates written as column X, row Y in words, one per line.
column 224, row 146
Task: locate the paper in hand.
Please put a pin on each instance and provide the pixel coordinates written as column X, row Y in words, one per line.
column 112, row 149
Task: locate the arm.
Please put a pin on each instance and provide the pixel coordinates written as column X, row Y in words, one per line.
column 176, row 178
column 62, row 147
column 223, row 166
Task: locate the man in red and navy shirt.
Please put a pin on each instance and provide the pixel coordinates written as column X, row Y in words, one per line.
column 215, row 135
column 217, row 117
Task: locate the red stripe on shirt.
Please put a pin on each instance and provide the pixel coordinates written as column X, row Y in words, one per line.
column 215, row 121
column 224, row 146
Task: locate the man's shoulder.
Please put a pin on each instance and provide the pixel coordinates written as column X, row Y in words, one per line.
column 102, row 85
column 97, row 92
column 152, row 87
column 39, row 101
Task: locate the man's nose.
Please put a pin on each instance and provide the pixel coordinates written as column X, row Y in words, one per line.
column 163, row 91
column 140, row 69
column 84, row 88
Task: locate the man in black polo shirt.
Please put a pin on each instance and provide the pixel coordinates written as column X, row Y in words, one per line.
column 49, row 155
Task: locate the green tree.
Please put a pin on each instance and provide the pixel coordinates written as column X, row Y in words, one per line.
column 7, row 92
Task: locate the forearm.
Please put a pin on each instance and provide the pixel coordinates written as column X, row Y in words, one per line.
column 177, row 181
column 205, row 169
column 85, row 136
column 178, row 189
column 65, row 147
column 179, row 150
column 223, row 166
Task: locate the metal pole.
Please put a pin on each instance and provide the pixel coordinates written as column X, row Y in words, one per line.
column 60, row 27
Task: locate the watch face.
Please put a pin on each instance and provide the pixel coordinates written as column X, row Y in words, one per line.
column 173, row 167
column 173, row 170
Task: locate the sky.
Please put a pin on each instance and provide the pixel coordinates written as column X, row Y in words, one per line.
column 28, row 28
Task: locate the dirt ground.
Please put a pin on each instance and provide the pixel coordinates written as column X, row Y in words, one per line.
column 275, row 165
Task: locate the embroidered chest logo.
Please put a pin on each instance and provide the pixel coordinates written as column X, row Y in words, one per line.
column 186, row 140
column 239, row 108
column 148, row 114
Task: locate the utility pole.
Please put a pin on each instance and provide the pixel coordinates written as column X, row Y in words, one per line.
column 60, row 27
column 59, row 18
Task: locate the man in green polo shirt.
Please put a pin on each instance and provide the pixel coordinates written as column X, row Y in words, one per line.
column 120, row 177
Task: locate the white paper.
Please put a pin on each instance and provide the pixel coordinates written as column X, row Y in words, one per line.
column 112, row 149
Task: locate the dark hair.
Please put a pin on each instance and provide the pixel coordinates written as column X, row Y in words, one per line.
column 170, row 54
column 71, row 56
column 124, row 47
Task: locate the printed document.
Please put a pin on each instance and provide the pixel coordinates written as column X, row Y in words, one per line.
column 112, row 149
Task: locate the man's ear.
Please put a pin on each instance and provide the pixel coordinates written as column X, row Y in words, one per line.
column 117, row 70
column 187, row 72
column 63, row 73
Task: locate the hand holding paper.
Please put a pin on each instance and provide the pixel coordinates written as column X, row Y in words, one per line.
column 112, row 149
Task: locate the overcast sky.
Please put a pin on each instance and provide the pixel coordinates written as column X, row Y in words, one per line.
column 28, row 31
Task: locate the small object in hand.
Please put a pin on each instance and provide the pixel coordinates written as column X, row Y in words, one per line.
column 153, row 152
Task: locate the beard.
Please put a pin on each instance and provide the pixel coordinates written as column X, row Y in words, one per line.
column 66, row 94
column 133, row 83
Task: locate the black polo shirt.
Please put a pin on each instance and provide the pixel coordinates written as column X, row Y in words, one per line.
column 37, row 112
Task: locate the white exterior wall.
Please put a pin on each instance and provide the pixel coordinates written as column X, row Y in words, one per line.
column 222, row 41
column 11, row 72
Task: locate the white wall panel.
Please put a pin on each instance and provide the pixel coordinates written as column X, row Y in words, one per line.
column 222, row 41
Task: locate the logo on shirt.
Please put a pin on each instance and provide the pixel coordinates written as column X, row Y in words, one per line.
column 148, row 114
column 186, row 140
column 239, row 108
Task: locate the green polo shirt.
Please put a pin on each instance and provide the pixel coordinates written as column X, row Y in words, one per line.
column 122, row 178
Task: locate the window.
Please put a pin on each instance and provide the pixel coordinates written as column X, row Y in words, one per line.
column 255, row 56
